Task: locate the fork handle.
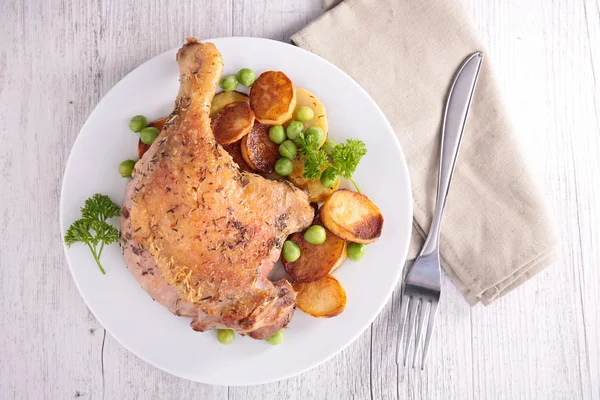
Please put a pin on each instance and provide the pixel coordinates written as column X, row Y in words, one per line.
column 455, row 116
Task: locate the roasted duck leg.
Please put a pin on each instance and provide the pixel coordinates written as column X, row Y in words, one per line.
column 200, row 235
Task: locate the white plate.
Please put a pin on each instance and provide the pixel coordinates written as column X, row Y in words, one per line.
column 166, row 341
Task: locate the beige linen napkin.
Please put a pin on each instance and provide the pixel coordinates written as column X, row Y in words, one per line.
column 496, row 230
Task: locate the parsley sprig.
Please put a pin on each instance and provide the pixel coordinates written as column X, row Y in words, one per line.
column 92, row 228
column 341, row 161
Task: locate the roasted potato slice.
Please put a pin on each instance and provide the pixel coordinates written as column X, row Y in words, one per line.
column 222, row 99
column 258, row 150
column 316, row 260
column 233, row 122
column 306, row 98
column 142, row 148
column 324, row 298
column 273, row 98
column 235, row 151
column 316, row 191
column 158, row 124
column 352, row 216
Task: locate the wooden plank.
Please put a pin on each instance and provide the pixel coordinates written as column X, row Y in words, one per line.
column 273, row 19
column 586, row 152
column 535, row 342
column 49, row 338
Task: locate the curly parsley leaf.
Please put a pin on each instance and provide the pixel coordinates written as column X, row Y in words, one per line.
column 313, row 164
column 342, row 161
column 311, row 142
column 105, row 232
column 92, row 229
column 100, row 207
column 346, row 157
column 79, row 231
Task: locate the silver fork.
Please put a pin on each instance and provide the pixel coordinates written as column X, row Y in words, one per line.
column 421, row 293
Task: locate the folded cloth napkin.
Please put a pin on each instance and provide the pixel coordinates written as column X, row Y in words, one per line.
column 496, row 231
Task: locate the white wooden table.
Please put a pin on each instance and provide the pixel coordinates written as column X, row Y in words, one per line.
column 541, row 341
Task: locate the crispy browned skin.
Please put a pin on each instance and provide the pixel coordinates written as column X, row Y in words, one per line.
column 214, row 232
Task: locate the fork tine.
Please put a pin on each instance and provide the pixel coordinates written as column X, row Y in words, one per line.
column 403, row 311
column 422, row 314
column 411, row 323
column 432, row 314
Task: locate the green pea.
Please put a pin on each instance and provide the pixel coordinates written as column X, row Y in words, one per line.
column 328, row 146
column 277, row 134
column 315, row 234
column 246, row 77
column 304, row 113
column 126, row 168
column 276, row 339
column 229, row 83
column 291, row 251
column 225, row 336
column 288, row 149
column 315, row 131
column 329, row 177
column 356, row 251
column 138, row 123
column 284, row 167
column 293, row 129
column 148, row 134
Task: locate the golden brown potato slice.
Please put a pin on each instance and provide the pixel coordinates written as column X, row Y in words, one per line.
column 235, row 151
column 316, row 260
column 233, row 122
column 316, row 191
column 324, row 298
column 222, row 99
column 258, row 150
column 306, row 98
column 273, row 98
column 158, row 124
column 352, row 216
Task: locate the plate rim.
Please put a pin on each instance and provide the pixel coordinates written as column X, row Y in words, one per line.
column 404, row 247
